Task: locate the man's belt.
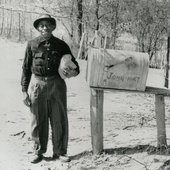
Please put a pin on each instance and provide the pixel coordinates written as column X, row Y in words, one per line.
column 45, row 78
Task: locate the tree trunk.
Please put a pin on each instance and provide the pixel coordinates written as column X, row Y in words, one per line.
column 167, row 63
column 115, row 23
column 80, row 19
column 97, row 14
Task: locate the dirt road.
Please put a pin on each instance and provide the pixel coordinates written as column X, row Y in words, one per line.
column 129, row 123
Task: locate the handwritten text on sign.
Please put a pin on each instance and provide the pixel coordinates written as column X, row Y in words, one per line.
column 111, row 76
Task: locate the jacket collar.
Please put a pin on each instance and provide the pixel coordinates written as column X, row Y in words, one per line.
column 41, row 39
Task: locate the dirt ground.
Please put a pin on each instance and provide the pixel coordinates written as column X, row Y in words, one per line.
column 129, row 124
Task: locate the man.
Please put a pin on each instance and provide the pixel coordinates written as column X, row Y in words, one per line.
column 47, row 99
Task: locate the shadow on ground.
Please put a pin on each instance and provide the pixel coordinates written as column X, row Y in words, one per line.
column 127, row 150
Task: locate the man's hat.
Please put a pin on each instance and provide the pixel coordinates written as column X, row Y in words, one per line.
column 45, row 17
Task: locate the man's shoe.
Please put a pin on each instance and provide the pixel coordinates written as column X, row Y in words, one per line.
column 36, row 159
column 64, row 158
column 55, row 156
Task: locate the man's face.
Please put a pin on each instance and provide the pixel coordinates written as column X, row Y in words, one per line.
column 45, row 28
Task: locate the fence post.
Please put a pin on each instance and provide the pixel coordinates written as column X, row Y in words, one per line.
column 81, row 46
column 2, row 26
column 10, row 25
column 19, row 26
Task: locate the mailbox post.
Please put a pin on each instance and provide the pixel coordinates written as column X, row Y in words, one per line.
column 96, row 114
column 96, row 111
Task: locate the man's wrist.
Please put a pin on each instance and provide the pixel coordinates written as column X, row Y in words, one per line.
column 24, row 89
column 25, row 92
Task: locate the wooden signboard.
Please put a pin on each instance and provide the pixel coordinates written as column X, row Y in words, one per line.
column 117, row 69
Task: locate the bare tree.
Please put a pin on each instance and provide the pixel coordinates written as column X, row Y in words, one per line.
column 148, row 24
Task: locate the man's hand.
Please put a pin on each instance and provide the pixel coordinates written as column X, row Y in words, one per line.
column 26, row 99
column 69, row 72
column 65, row 71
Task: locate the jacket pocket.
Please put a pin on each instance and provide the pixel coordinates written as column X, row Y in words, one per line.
column 38, row 55
column 38, row 59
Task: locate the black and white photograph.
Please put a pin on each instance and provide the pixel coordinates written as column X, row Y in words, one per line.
column 84, row 85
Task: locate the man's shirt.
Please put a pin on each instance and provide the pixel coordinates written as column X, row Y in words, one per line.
column 42, row 58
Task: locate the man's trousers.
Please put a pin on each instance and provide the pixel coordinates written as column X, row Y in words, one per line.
column 49, row 104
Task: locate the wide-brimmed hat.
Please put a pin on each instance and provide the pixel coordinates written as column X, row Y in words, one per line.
column 45, row 17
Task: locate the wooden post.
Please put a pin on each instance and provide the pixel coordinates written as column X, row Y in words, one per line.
column 96, row 114
column 81, row 46
column 160, row 119
column 105, row 41
column 96, row 111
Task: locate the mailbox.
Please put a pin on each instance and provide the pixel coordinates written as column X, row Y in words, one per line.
column 117, row 69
